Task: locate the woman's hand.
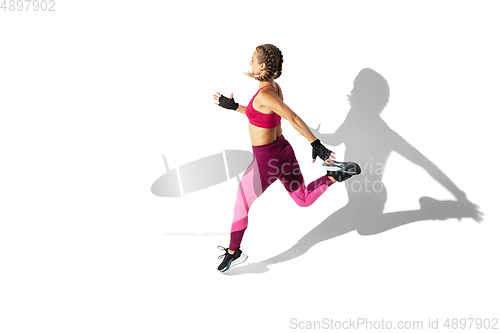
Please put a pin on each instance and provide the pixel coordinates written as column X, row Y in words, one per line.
column 218, row 95
column 227, row 103
column 324, row 153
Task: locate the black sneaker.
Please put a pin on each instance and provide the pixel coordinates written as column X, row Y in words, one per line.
column 341, row 171
column 231, row 260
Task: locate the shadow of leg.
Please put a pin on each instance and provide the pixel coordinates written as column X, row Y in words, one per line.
column 354, row 217
column 431, row 209
column 442, row 210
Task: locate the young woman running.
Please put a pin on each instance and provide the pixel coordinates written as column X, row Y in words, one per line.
column 274, row 157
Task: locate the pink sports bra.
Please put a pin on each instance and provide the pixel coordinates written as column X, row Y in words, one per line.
column 259, row 119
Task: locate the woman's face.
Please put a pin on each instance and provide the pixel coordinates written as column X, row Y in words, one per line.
column 256, row 67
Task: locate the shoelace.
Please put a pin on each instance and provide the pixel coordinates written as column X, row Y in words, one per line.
column 225, row 254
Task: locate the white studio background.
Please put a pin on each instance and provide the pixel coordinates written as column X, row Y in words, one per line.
column 93, row 94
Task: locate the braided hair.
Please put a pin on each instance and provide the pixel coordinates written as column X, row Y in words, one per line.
column 273, row 58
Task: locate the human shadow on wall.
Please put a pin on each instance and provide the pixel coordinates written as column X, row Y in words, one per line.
column 369, row 141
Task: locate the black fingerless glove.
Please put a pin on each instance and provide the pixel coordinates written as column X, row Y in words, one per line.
column 228, row 103
column 320, row 150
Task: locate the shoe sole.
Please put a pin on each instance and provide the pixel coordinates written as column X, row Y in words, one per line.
column 354, row 168
column 233, row 263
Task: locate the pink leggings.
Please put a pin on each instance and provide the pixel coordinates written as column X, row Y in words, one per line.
column 275, row 160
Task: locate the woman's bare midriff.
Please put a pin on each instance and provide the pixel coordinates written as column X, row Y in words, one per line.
column 262, row 136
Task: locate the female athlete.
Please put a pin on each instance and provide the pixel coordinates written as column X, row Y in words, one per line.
column 274, row 157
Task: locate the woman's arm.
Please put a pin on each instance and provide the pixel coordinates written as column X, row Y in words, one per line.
column 241, row 109
column 229, row 103
column 302, row 128
column 270, row 100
